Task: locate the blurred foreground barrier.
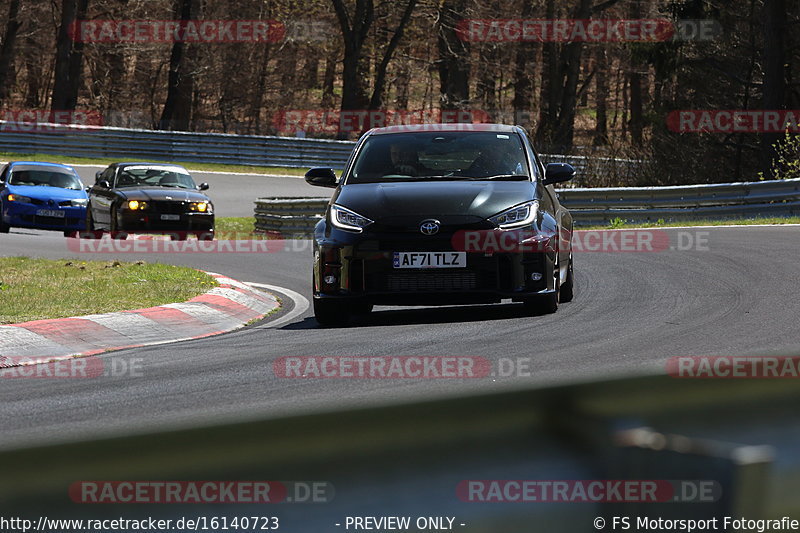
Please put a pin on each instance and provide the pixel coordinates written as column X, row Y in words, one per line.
column 709, row 437
column 779, row 198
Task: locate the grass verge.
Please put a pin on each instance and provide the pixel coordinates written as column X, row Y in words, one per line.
column 621, row 224
column 195, row 167
column 229, row 227
column 36, row 289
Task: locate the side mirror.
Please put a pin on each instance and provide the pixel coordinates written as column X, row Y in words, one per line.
column 558, row 173
column 97, row 175
column 321, row 177
column 202, row 187
column 104, row 184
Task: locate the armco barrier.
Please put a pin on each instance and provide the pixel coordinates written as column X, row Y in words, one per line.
column 780, row 198
column 252, row 150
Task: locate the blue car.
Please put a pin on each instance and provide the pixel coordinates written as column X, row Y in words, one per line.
column 43, row 196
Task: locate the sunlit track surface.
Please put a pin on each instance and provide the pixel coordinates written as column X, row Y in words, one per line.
column 632, row 311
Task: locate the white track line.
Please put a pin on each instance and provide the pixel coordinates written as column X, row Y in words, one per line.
column 301, row 304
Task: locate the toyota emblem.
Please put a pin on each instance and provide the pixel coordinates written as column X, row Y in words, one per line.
column 429, row 227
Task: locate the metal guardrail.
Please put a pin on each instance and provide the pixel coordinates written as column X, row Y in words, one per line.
column 249, row 150
column 107, row 142
column 780, row 198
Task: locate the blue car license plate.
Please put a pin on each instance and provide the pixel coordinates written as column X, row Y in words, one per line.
column 55, row 213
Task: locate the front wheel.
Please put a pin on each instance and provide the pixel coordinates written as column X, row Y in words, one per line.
column 331, row 312
column 116, row 230
column 567, row 291
column 3, row 226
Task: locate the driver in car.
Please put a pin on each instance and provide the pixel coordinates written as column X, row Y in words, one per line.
column 405, row 160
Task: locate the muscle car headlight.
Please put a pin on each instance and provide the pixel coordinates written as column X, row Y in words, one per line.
column 518, row 216
column 348, row 220
column 201, row 207
column 136, row 205
column 19, row 198
column 79, row 202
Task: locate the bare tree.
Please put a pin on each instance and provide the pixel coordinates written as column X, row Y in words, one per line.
column 69, row 57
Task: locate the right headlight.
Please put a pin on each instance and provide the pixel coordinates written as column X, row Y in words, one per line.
column 518, row 216
column 346, row 219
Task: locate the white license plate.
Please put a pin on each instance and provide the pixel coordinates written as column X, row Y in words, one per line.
column 50, row 213
column 170, row 217
column 430, row 259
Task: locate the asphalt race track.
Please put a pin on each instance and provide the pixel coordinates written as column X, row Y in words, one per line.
column 632, row 312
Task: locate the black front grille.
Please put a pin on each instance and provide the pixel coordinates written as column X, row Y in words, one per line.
column 174, row 208
column 424, row 281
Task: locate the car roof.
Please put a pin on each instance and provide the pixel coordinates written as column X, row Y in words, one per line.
column 415, row 128
column 148, row 164
column 12, row 164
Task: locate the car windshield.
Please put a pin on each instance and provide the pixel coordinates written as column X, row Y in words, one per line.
column 45, row 178
column 440, row 155
column 155, row 176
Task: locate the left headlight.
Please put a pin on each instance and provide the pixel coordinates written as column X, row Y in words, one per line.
column 521, row 215
column 201, row 207
column 345, row 219
column 79, row 202
column 136, row 205
column 19, row 198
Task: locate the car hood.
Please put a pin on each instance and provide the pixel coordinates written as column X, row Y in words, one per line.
column 164, row 194
column 436, row 199
column 46, row 193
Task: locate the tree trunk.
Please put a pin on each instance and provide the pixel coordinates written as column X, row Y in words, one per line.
column 376, row 102
column 69, row 58
column 601, row 97
column 565, row 132
column 635, row 81
column 177, row 111
column 453, row 58
column 774, row 74
column 7, row 49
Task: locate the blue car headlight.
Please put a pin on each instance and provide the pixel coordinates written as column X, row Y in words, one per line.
column 79, row 202
column 19, row 198
column 518, row 216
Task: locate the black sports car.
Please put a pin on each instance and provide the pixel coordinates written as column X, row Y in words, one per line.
column 149, row 198
column 443, row 214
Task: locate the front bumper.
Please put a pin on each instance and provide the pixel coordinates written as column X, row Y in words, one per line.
column 150, row 221
column 21, row 215
column 362, row 270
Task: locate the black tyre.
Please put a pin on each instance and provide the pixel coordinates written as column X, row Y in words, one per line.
column 116, row 230
column 331, row 312
column 3, row 226
column 567, row 291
